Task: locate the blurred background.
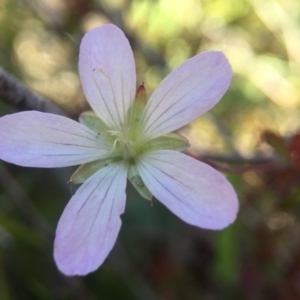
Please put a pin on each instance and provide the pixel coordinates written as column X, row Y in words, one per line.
column 251, row 136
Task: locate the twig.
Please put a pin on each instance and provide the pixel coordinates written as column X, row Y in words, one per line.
column 237, row 159
column 239, row 164
column 242, row 169
column 14, row 93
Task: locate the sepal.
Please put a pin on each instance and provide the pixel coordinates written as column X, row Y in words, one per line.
column 136, row 180
column 171, row 141
column 135, row 112
column 87, row 170
column 92, row 121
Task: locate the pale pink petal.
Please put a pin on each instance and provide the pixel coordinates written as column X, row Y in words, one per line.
column 188, row 92
column 90, row 223
column 35, row 139
column 107, row 71
column 192, row 190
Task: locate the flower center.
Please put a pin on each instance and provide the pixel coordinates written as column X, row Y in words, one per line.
column 123, row 146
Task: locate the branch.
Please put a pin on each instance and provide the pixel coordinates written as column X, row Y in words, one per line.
column 237, row 159
column 14, row 93
column 239, row 164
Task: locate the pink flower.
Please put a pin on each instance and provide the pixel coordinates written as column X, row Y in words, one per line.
column 127, row 136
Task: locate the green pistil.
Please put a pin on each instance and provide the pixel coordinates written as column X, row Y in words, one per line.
column 128, row 151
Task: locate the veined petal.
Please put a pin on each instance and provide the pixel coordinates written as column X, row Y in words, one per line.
column 192, row 190
column 186, row 93
column 90, row 223
column 35, row 139
column 107, row 71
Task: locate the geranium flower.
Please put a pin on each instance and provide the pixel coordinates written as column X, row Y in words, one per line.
column 126, row 137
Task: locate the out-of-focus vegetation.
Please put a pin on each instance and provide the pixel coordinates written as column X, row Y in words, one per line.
column 157, row 256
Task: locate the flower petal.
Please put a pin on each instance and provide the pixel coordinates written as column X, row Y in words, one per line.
column 90, row 223
column 35, row 139
column 192, row 190
column 107, row 72
column 185, row 94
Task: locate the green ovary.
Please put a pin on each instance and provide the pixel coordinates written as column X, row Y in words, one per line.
column 124, row 148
